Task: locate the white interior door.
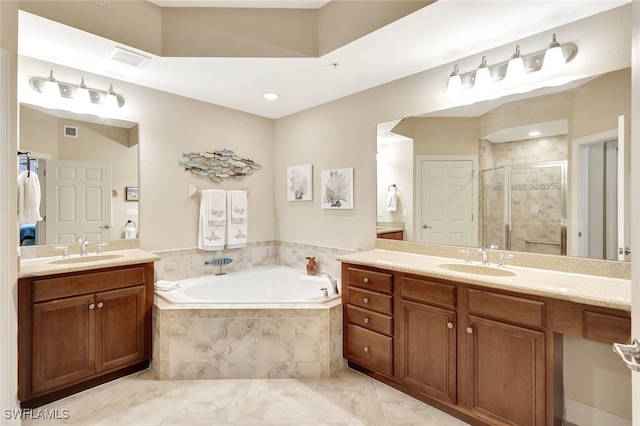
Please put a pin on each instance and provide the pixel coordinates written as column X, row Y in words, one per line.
column 78, row 201
column 447, row 211
column 624, row 188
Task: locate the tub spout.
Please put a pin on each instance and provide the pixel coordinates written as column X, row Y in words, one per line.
column 334, row 282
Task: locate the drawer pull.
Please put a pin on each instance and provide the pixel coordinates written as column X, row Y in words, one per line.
column 366, row 280
column 470, row 330
column 366, row 320
column 449, row 324
column 365, row 300
column 366, row 349
column 100, row 305
column 92, row 306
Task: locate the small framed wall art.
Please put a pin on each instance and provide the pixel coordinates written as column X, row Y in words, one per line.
column 337, row 187
column 300, row 183
column 131, row 193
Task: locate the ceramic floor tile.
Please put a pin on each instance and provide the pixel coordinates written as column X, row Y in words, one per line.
column 349, row 400
column 273, row 401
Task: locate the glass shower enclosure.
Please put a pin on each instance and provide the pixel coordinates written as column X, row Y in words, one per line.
column 525, row 207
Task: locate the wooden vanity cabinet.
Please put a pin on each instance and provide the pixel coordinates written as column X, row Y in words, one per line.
column 80, row 329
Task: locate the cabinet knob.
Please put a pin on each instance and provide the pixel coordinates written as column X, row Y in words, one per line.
column 92, row 306
column 365, row 300
column 470, row 330
column 366, row 280
column 366, row 320
column 100, row 305
column 366, row 349
column 449, row 324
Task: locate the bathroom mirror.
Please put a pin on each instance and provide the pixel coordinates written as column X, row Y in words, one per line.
column 88, row 170
column 521, row 192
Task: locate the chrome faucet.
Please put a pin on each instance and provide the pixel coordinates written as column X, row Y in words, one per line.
column 83, row 246
column 485, row 256
column 334, row 282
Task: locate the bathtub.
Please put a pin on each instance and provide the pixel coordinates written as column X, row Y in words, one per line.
column 265, row 284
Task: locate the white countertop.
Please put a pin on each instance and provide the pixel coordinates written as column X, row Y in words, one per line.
column 587, row 289
column 44, row 266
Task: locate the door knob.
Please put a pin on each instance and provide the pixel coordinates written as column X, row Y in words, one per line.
column 470, row 330
column 92, row 306
column 449, row 325
column 100, row 305
column 426, row 227
column 106, row 227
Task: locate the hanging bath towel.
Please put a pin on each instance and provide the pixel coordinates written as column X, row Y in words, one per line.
column 392, row 201
column 237, row 224
column 130, row 231
column 213, row 214
column 28, row 198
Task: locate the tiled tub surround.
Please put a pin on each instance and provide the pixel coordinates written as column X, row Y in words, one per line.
column 247, row 341
column 189, row 263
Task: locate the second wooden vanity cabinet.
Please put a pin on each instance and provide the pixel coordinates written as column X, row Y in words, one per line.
column 78, row 329
column 484, row 355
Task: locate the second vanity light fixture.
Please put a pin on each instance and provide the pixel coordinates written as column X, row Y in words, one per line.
column 521, row 73
column 77, row 97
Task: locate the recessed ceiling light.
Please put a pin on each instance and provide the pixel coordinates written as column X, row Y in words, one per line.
column 535, row 133
column 270, row 96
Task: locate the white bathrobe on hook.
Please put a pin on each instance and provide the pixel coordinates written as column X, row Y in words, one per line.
column 29, row 196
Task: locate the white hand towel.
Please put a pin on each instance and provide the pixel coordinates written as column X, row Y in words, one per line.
column 130, row 231
column 238, row 206
column 163, row 285
column 392, row 201
column 211, row 234
column 237, row 231
column 28, row 198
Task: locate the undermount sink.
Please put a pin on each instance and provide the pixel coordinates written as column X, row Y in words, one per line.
column 477, row 269
column 85, row 259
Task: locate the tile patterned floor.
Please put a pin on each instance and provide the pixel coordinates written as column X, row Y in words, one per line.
column 350, row 398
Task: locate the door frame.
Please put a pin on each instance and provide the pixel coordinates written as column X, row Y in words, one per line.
column 578, row 192
column 474, row 190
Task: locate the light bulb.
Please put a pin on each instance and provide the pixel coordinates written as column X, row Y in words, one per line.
column 483, row 76
column 51, row 91
column 553, row 57
column 515, row 67
column 82, row 100
column 109, row 104
column 454, row 87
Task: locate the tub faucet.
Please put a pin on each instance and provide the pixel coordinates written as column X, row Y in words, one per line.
column 485, row 256
column 334, row 282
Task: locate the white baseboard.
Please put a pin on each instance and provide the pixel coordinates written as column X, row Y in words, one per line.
column 585, row 415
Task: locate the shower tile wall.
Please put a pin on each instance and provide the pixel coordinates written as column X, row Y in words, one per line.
column 535, row 194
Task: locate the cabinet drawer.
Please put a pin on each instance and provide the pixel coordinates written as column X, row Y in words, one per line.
column 510, row 308
column 86, row 282
column 428, row 291
column 371, row 320
column 606, row 328
column 369, row 300
column 370, row 280
column 370, row 349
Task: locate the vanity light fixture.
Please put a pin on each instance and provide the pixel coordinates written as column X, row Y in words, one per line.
column 519, row 74
column 77, row 98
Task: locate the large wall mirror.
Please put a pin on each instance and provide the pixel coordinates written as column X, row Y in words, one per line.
column 541, row 172
column 88, row 172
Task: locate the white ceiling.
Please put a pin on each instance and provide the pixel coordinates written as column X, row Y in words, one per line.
column 264, row 4
column 413, row 44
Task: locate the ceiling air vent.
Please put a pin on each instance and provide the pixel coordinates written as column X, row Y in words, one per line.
column 128, row 57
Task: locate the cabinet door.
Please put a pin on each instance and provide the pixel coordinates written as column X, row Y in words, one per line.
column 63, row 339
column 428, row 361
column 507, row 365
column 120, row 316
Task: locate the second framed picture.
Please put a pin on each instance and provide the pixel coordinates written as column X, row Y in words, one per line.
column 337, row 187
column 300, row 183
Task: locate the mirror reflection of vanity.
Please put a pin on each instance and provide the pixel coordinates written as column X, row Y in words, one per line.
column 552, row 193
column 88, row 170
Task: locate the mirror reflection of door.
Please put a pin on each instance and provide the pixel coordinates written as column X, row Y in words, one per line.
column 77, row 201
column 446, row 211
column 603, row 184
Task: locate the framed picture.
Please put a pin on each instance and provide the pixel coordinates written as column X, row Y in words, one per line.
column 300, row 183
column 337, row 188
column 131, row 193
